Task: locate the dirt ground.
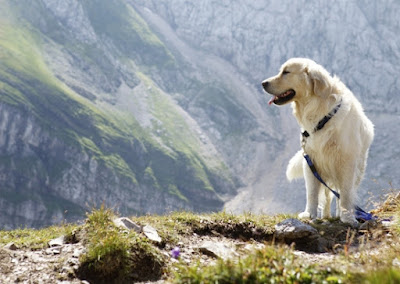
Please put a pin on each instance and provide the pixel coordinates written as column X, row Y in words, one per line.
column 59, row 263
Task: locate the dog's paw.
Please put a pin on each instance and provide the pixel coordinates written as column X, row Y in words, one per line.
column 349, row 219
column 304, row 215
column 326, row 215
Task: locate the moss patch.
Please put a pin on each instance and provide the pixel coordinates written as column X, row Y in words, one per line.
column 115, row 257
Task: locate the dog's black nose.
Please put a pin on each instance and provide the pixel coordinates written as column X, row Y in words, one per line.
column 265, row 84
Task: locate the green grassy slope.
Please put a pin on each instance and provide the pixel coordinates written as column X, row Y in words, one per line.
column 113, row 137
column 119, row 22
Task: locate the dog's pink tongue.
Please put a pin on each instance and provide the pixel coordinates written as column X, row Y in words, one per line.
column 272, row 100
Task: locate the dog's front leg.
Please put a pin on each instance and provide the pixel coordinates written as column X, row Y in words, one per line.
column 347, row 194
column 346, row 204
column 324, row 202
column 312, row 189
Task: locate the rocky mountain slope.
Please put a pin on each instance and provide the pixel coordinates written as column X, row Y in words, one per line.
column 152, row 106
column 357, row 42
column 82, row 121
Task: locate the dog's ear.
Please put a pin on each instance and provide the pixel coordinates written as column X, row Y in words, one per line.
column 320, row 79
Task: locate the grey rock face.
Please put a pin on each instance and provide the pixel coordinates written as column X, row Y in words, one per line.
column 357, row 42
column 78, row 179
column 76, row 21
column 213, row 55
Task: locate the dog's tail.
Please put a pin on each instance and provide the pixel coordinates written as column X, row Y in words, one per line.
column 295, row 167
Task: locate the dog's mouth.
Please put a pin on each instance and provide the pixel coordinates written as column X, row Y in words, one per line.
column 282, row 98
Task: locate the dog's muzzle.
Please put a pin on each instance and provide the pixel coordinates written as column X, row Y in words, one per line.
column 280, row 99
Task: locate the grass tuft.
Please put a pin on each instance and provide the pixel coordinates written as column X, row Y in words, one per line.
column 385, row 276
column 269, row 265
column 107, row 253
column 114, row 256
column 35, row 239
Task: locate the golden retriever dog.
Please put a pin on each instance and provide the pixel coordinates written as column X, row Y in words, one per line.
column 336, row 134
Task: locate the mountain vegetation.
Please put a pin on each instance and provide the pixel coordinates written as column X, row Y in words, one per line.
column 68, row 142
column 155, row 106
column 206, row 248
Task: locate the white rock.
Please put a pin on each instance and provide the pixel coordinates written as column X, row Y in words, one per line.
column 151, row 234
column 127, row 224
column 11, row 246
column 216, row 249
column 57, row 242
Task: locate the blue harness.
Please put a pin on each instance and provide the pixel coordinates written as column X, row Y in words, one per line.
column 360, row 214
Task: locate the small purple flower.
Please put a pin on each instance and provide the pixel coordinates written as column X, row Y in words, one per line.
column 176, row 252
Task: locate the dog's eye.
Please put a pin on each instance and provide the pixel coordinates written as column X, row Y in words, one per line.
column 284, row 72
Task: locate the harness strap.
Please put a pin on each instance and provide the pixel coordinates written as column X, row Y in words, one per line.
column 324, row 120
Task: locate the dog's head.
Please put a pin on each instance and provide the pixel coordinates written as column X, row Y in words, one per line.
column 298, row 79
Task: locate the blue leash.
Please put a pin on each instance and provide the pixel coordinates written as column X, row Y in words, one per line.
column 360, row 214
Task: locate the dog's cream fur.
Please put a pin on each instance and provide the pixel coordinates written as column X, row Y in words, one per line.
column 339, row 150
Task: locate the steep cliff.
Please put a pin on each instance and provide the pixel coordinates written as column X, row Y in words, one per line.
column 82, row 123
column 151, row 106
column 357, row 41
